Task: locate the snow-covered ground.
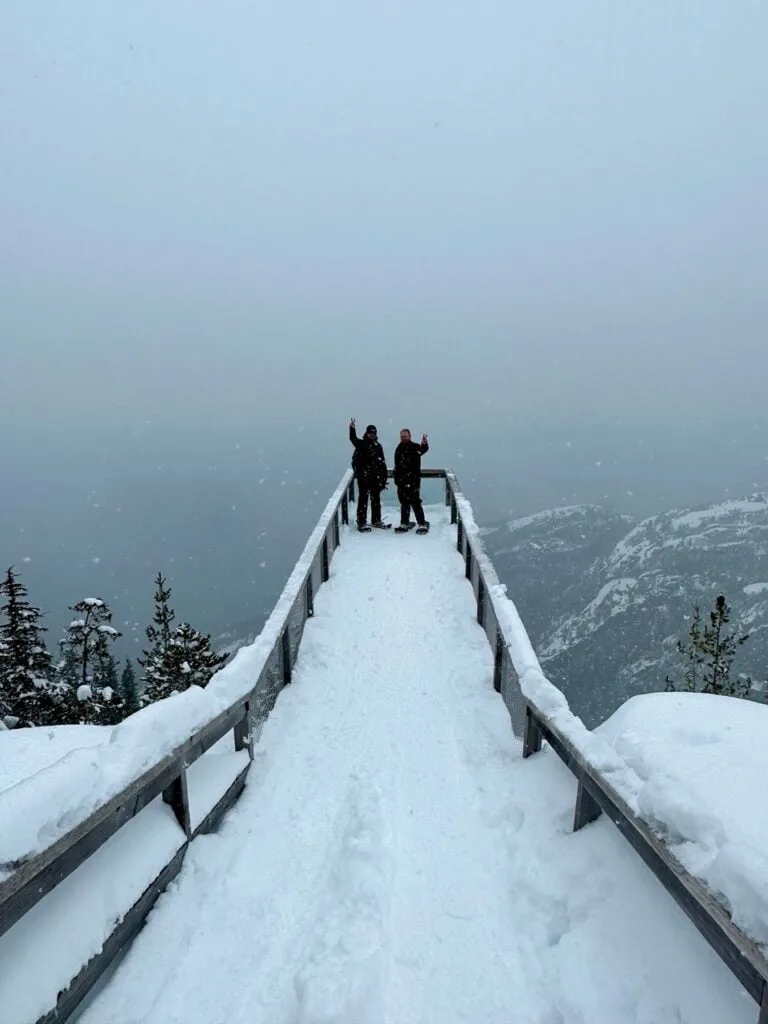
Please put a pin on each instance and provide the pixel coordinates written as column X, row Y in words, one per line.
column 698, row 765
column 394, row 861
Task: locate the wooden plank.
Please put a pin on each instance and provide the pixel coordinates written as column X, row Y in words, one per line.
column 587, row 808
column 286, row 657
column 124, row 934
column 177, row 797
column 39, row 876
column 498, row 659
column 211, row 734
column 244, row 731
column 532, row 736
column 763, row 1018
column 743, row 957
column 325, row 560
column 217, row 812
column 480, row 601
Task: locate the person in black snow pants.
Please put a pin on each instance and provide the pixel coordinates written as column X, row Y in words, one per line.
column 370, row 468
column 408, row 481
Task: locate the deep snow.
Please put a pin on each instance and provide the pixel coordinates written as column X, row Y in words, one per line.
column 696, row 764
column 394, row 861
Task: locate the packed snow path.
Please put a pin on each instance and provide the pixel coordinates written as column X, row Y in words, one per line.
column 393, row 860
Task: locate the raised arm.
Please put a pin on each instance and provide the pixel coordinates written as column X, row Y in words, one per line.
column 356, row 441
column 424, row 446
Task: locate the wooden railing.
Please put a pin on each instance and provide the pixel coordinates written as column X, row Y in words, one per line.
column 595, row 794
column 38, row 876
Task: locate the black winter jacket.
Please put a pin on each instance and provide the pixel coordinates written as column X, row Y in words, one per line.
column 368, row 461
column 408, row 462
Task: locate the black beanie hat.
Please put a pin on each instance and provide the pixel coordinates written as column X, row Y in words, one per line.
column 370, row 429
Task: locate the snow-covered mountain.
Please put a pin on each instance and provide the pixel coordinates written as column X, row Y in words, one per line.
column 605, row 599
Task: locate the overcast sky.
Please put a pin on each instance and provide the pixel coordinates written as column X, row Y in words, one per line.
column 218, row 211
column 235, row 220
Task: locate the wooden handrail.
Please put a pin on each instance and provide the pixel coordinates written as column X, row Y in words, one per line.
column 33, row 877
column 595, row 794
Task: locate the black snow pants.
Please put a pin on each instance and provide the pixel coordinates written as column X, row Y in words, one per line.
column 409, row 498
column 364, row 492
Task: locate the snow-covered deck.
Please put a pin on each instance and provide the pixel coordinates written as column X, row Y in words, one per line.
column 394, row 861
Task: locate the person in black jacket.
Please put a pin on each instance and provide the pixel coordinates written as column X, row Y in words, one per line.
column 408, row 480
column 370, row 468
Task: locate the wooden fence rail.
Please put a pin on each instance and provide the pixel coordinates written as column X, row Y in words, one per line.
column 595, row 795
column 36, row 877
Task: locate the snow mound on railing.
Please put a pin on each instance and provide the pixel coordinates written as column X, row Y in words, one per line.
column 701, row 761
column 40, row 809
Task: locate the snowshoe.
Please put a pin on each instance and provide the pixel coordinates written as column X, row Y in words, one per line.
column 365, row 528
column 404, row 527
column 424, row 528
column 382, row 526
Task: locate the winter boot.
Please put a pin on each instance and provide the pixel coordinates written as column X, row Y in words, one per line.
column 423, row 528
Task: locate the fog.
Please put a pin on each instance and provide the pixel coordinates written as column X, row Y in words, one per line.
column 539, row 232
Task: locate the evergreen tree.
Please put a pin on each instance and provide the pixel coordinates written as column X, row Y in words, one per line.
column 95, row 682
column 109, row 698
column 709, row 655
column 193, row 661
column 155, row 662
column 129, row 689
column 25, row 664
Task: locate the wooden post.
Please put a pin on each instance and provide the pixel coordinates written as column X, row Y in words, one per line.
column 326, row 564
column 309, row 595
column 336, row 537
column 498, row 660
column 468, row 562
column 243, row 731
column 177, row 797
column 532, row 735
column 587, row 808
column 287, row 667
column 352, row 489
column 448, row 495
column 481, row 600
column 345, row 508
column 459, row 536
column 763, row 1018
column 454, row 511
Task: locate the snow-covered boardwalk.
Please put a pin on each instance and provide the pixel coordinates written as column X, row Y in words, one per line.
column 394, row 861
